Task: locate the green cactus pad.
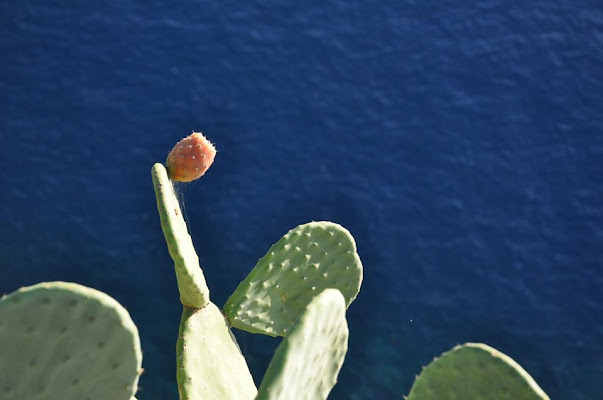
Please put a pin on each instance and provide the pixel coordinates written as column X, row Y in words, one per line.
column 210, row 363
column 307, row 260
column 191, row 281
column 478, row 372
column 65, row 341
column 306, row 364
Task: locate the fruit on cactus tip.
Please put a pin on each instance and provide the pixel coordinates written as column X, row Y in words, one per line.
column 190, row 158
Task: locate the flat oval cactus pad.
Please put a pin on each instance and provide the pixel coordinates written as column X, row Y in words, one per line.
column 65, row 341
column 189, row 275
column 306, row 363
column 210, row 362
column 478, row 372
column 304, row 262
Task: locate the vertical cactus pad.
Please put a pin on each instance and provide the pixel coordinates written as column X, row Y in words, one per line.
column 210, row 363
column 65, row 341
column 191, row 281
column 306, row 363
column 475, row 371
column 304, row 262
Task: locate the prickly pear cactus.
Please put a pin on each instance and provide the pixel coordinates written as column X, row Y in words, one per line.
column 282, row 289
column 307, row 362
column 304, row 262
column 65, row 341
column 478, row 372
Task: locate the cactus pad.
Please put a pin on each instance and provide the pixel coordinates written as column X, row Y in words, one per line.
column 307, row 362
column 304, row 262
column 475, row 371
column 210, row 363
column 65, row 341
column 191, row 281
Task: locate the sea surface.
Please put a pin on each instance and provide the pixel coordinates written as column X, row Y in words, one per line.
column 461, row 143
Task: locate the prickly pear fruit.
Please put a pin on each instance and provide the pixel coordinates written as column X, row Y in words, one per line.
column 190, row 158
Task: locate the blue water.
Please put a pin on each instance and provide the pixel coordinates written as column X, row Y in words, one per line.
column 460, row 142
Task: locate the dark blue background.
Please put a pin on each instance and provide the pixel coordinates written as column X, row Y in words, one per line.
column 460, row 142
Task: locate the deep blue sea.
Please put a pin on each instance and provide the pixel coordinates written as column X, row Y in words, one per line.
column 460, row 142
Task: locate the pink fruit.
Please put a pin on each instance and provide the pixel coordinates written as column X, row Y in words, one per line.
column 190, row 158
